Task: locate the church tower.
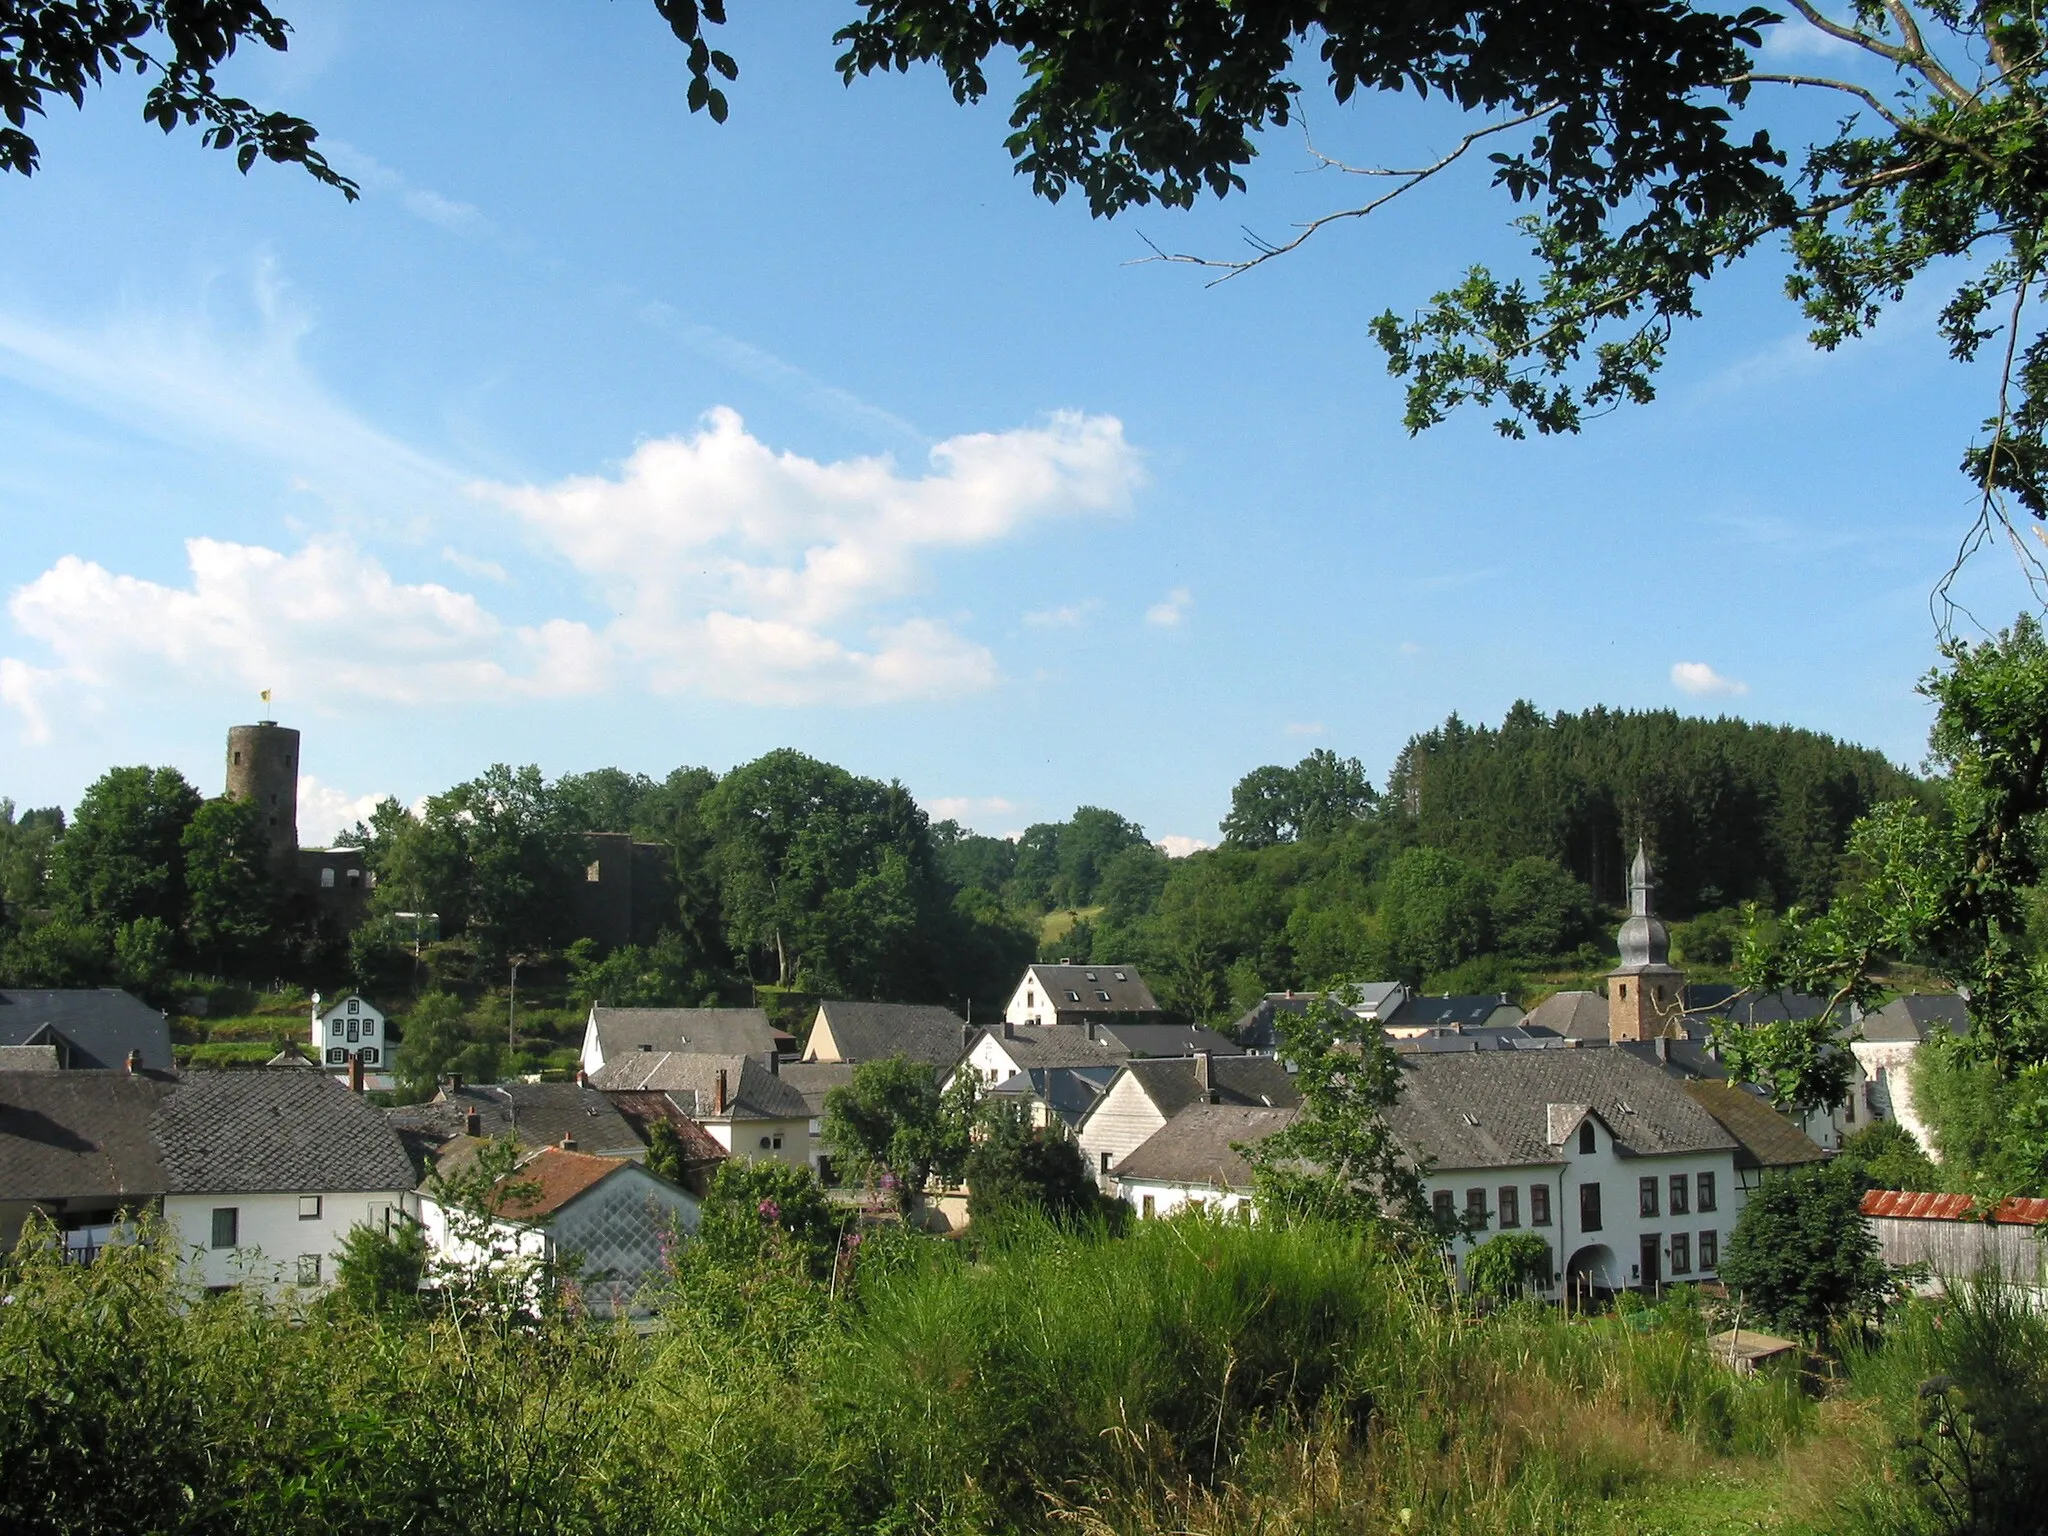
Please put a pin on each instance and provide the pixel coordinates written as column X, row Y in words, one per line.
column 1646, row 992
column 263, row 765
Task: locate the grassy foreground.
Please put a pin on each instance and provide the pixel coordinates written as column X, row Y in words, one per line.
column 1189, row 1377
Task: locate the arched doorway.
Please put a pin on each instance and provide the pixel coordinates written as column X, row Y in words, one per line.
column 1589, row 1275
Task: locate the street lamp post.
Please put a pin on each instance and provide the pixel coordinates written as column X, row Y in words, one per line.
column 512, row 1006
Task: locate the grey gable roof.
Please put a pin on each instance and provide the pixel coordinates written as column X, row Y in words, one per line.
column 1069, row 1092
column 876, row 1031
column 720, row 1031
column 1571, row 1015
column 1198, row 1146
column 1126, row 988
column 815, row 1079
column 1256, row 1081
column 275, row 1129
column 1917, row 1016
column 79, row 1135
column 1491, row 1109
column 1056, row 1045
column 1427, row 1012
column 94, row 1026
column 1167, row 1039
column 690, row 1079
column 535, row 1114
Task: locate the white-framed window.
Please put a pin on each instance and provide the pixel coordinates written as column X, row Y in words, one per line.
column 309, row 1207
column 355, row 1005
column 337, row 1028
column 338, row 1056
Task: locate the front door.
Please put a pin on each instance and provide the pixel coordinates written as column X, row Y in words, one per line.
column 1653, row 1274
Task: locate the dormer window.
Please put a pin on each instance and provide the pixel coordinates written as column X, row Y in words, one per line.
column 1073, row 997
column 1120, row 976
column 1587, row 1143
column 1091, row 976
column 1104, row 996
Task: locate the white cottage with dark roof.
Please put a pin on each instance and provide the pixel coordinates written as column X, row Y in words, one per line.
column 1074, row 994
column 349, row 1034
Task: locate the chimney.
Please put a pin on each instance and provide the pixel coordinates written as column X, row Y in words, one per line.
column 966, row 1038
column 774, row 1064
column 1663, row 1050
column 1205, row 1076
column 1091, row 1029
column 568, row 1143
column 355, row 1074
column 134, row 1062
column 582, row 1078
column 718, row 1097
column 472, row 1124
column 1009, row 1030
column 452, row 1083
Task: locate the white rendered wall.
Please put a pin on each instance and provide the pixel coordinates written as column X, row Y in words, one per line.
column 271, row 1235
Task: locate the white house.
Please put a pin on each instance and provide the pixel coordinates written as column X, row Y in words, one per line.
column 266, row 1171
column 1145, row 1094
column 1071, row 994
column 1630, row 1180
column 1011, row 1049
column 609, row 1215
column 351, row 1030
column 740, row 1100
column 1192, row 1161
column 1887, row 1043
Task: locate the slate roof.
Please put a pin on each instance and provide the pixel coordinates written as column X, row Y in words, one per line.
column 533, row 1114
column 1056, row 1045
column 29, row 1058
column 1765, row 1138
column 719, row 1031
column 2013, row 1210
column 815, row 1079
column 1491, row 1109
column 1167, row 1039
column 275, row 1129
column 1507, row 1037
column 1367, row 999
column 690, row 1078
column 1918, row 1016
column 79, row 1135
column 1705, row 1001
column 1126, row 988
column 1570, row 1015
column 1069, row 1092
column 699, row 1147
column 1195, row 1146
column 1464, row 1012
column 91, row 1026
column 1256, row 1081
column 876, row 1031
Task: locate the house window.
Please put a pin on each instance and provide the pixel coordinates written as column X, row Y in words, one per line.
column 764, row 1143
column 1589, row 1207
column 1073, row 996
column 338, row 1057
column 309, row 1269
column 1510, row 1206
column 368, row 1055
column 1446, row 1211
column 326, row 879
column 778, row 1143
column 1849, row 1109
column 355, row 1030
column 1475, row 1208
column 1091, row 976
column 355, row 879
column 1706, row 1192
column 1030, row 998
column 591, row 872
column 1120, row 976
column 1105, row 1162
column 1681, row 1254
column 1710, row 1250
column 337, row 1029
column 1148, row 1210
column 227, row 1226
column 1539, row 1205
column 355, row 1005
column 309, row 1207
column 1104, row 996
column 1587, row 1142
column 1681, row 1191
column 1646, row 1195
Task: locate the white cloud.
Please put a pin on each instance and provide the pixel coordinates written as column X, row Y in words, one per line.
column 1072, row 616
column 1171, row 610
column 746, row 573
column 1174, row 846
column 21, row 689
column 1701, row 680
column 1306, row 728
column 421, row 202
column 968, row 809
column 325, row 623
column 473, row 565
column 325, row 812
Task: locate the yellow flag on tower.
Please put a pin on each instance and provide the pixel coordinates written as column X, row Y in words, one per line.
column 266, row 695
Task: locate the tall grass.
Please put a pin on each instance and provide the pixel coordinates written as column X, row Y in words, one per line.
column 1193, row 1376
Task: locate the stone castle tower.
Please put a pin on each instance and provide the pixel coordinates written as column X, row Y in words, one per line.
column 263, row 766
column 1646, row 992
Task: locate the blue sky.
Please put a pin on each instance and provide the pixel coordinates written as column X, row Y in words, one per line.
column 598, row 434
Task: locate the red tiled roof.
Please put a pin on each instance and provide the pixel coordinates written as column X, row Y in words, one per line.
column 1925, row 1207
column 560, row 1176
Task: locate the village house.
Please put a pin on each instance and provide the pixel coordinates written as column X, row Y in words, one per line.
column 80, row 1028
column 1144, row 1095
column 349, row 1036
column 259, row 1175
column 1885, row 1045
column 1372, row 1001
column 855, row 1032
column 533, row 1115
column 1448, row 1013
column 607, row 1221
column 1631, row 1182
column 814, row 1080
column 741, row 1101
column 611, row 1033
column 1066, row 994
column 1193, row 1161
column 999, row 1054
